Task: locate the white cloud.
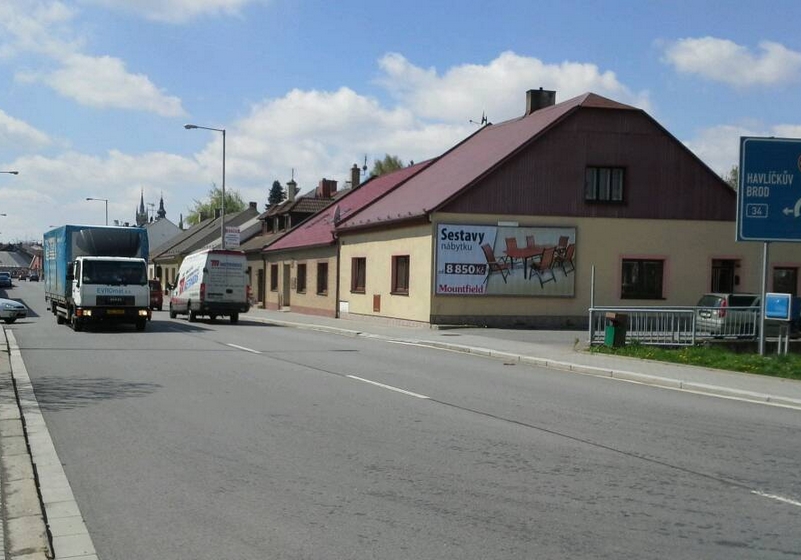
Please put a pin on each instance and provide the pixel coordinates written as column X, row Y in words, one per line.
column 464, row 92
column 719, row 146
column 104, row 82
column 16, row 133
column 175, row 11
column 721, row 60
column 45, row 29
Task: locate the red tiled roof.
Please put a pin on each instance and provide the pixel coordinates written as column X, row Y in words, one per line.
column 466, row 162
column 319, row 229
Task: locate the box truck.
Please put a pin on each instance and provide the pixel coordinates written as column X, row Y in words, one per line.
column 211, row 282
column 96, row 274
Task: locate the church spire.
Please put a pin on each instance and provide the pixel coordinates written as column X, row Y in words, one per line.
column 162, row 213
column 141, row 213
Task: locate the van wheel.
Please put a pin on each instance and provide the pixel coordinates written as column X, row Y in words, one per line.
column 192, row 314
column 10, row 320
column 173, row 314
column 212, row 318
column 141, row 324
column 234, row 318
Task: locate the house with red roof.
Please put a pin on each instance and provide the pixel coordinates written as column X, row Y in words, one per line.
column 303, row 266
column 526, row 222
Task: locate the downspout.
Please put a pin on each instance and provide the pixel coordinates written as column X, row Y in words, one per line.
column 339, row 269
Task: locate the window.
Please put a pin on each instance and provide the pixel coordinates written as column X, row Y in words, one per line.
column 400, row 274
column 642, row 279
column 301, row 285
column 724, row 278
column 785, row 280
column 358, row 274
column 322, row 278
column 273, row 277
column 603, row 184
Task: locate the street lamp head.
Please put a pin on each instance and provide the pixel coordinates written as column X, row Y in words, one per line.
column 11, row 172
column 190, row 126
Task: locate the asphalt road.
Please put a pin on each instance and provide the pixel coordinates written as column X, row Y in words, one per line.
column 210, row 441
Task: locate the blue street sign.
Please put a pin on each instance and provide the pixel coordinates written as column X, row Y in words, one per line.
column 769, row 195
column 778, row 306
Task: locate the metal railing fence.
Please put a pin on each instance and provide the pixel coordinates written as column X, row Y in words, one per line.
column 675, row 326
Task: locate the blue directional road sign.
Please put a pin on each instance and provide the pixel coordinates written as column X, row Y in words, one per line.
column 769, row 195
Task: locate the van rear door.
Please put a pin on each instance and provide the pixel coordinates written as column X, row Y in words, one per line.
column 225, row 277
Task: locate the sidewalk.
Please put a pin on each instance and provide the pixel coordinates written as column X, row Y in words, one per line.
column 565, row 350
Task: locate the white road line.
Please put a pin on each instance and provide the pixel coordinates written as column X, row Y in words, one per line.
column 244, row 349
column 777, row 498
column 390, row 387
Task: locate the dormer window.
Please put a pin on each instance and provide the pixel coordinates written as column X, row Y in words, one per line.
column 603, row 184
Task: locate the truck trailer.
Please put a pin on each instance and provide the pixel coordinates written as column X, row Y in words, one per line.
column 97, row 274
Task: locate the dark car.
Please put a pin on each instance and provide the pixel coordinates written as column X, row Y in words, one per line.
column 5, row 280
column 33, row 277
column 156, row 295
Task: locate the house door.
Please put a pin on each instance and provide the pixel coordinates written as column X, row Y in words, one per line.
column 260, row 285
column 285, row 283
column 724, row 278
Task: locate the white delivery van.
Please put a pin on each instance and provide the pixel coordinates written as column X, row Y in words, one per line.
column 211, row 282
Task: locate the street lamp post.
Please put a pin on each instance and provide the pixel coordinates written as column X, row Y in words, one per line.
column 102, row 200
column 222, row 203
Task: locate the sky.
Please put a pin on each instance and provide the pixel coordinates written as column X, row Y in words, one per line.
column 94, row 94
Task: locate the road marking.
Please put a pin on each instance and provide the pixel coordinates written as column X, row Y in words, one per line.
column 390, row 387
column 244, row 349
column 777, row 498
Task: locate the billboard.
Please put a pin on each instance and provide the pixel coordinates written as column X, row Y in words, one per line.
column 476, row 260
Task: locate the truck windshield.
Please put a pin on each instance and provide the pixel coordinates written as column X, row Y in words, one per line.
column 115, row 273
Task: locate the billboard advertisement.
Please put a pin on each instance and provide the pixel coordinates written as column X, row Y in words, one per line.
column 476, row 260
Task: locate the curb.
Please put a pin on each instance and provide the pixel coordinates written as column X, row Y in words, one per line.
column 622, row 375
column 25, row 530
column 65, row 531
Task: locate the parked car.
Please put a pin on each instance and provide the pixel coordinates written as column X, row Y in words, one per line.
column 33, row 277
column 156, row 295
column 11, row 310
column 721, row 314
column 5, row 280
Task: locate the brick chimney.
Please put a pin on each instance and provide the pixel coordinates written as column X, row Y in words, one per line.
column 355, row 176
column 537, row 99
column 327, row 188
column 253, row 206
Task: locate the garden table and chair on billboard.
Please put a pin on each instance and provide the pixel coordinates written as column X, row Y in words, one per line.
column 505, row 260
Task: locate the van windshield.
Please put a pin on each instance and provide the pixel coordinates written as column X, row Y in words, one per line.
column 114, row 273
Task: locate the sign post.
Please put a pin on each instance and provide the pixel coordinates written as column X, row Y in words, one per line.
column 769, row 199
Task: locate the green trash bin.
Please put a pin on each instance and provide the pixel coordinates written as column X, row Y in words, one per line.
column 615, row 330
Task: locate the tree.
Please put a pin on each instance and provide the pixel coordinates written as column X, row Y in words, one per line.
column 233, row 204
column 277, row 194
column 386, row 165
column 732, row 177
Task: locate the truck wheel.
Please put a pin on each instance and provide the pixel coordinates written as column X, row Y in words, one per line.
column 173, row 314
column 234, row 318
column 141, row 324
column 212, row 318
column 59, row 319
column 77, row 324
column 10, row 320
